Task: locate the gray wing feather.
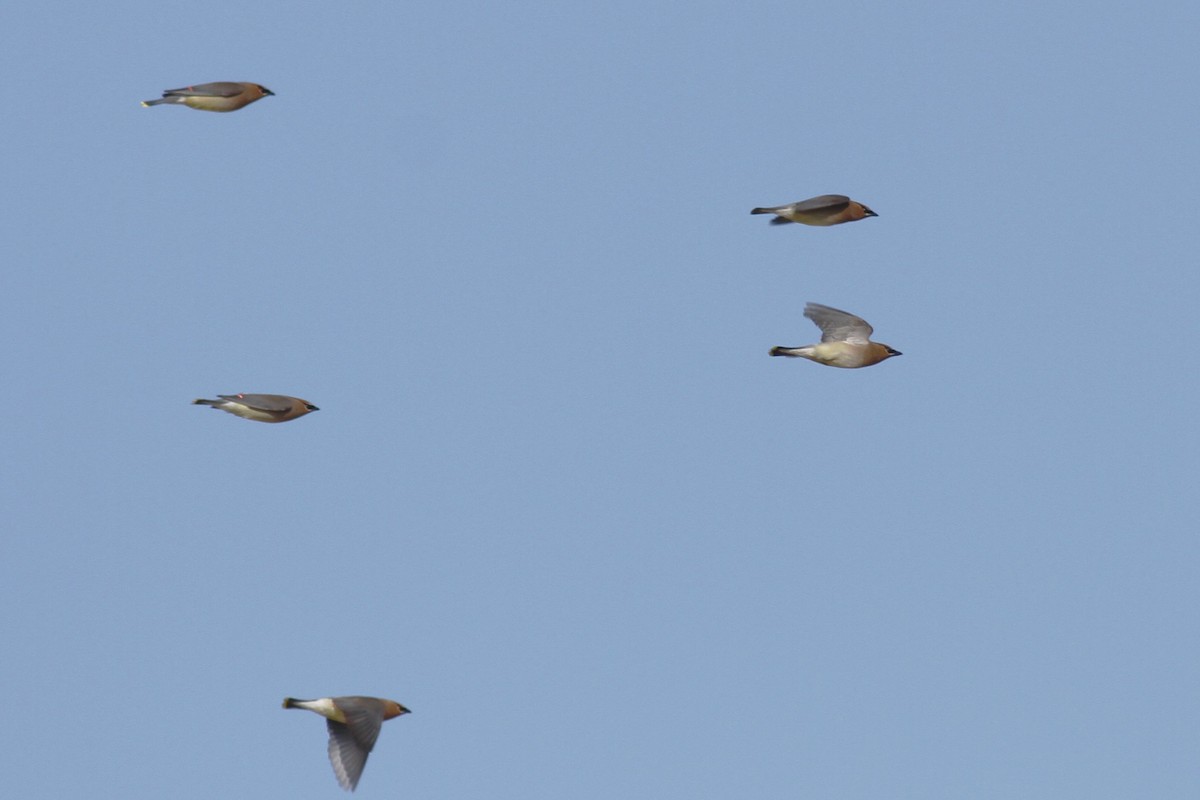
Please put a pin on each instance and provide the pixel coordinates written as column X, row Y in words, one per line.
column 218, row 89
column 827, row 202
column 838, row 326
column 346, row 755
column 364, row 718
column 262, row 402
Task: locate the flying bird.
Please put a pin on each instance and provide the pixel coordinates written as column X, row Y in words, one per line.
column 828, row 209
column 220, row 96
column 845, row 340
column 354, row 724
column 260, row 407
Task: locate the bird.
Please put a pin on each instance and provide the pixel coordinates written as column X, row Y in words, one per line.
column 260, row 407
column 828, row 209
column 220, row 96
column 354, row 724
column 845, row 340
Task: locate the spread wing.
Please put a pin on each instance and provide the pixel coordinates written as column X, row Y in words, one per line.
column 351, row 742
column 346, row 755
column 838, row 326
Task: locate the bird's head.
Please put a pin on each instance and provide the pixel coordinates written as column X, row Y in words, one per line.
column 393, row 709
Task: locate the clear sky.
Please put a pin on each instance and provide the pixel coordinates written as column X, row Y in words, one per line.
column 558, row 500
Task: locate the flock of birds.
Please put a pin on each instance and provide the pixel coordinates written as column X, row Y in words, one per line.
column 354, row 722
column 845, row 338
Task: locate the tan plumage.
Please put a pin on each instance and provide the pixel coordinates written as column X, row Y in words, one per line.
column 828, row 209
column 260, row 407
column 354, row 723
column 845, row 340
column 220, row 96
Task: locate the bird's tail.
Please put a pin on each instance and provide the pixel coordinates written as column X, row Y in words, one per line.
column 158, row 102
column 791, row 352
column 200, row 401
column 290, row 702
column 762, row 211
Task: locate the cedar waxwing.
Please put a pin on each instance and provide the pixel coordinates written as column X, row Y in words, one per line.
column 260, row 407
column 828, row 209
column 220, row 96
column 844, row 340
column 354, row 724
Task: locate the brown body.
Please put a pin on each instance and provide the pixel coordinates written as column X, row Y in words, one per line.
column 260, row 407
column 828, row 209
column 220, row 96
column 845, row 341
column 354, row 723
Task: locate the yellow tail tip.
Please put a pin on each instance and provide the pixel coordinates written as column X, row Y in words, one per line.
column 145, row 104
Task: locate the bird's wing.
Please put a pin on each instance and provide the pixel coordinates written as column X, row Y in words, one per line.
column 261, row 402
column 345, row 754
column 826, row 202
column 218, row 89
column 364, row 718
column 838, row 326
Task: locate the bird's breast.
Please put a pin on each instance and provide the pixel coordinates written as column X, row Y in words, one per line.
column 839, row 354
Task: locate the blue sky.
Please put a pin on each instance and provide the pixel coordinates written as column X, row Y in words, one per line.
column 558, row 500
